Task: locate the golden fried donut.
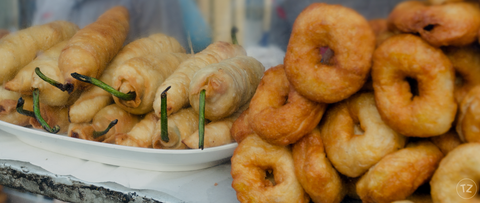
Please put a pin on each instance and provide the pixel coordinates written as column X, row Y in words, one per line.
column 399, row 174
column 355, row 136
column 427, row 112
column 437, row 2
column 460, row 166
column 435, row 22
column 466, row 62
column 240, row 128
column 468, row 121
column 315, row 172
column 381, row 30
column 252, row 162
column 347, row 34
column 447, row 142
column 278, row 113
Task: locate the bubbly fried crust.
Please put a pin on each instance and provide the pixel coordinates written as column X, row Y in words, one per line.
column 347, row 34
column 95, row 98
column 355, row 136
column 143, row 75
column 278, row 113
column 466, row 62
column 240, row 128
column 462, row 163
column 228, row 85
column 432, row 111
column 20, row 48
column 315, row 172
column 90, row 50
column 250, row 162
column 125, row 122
column 438, row 2
column 381, row 30
column 399, row 174
column 180, row 79
column 447, row 142
column 468, row 121
column 435, row 24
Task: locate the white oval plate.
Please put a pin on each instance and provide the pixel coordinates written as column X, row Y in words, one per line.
column 133, row 157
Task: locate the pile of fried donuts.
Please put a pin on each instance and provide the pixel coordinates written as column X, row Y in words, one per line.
column 383, row 110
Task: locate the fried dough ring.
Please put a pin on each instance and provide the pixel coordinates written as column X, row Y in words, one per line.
column 466, row 62
column 347, row 34
column 240, row 128
column 407, row 56
column 437, row 2
column 315, row 172
column 280, row 115
column 355, row 136
column 447, row 142
column 435, row 23
column 468, row 121
column 461, row 163
column 250, row 162
column 381, row 30
column 399, row 174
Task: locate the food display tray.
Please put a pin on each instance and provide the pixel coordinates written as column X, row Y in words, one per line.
column 118, row 155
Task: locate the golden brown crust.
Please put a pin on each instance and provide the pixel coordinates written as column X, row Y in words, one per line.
column 181, row 124
column 95, row 98
column 347, row 34
column 433, row 110
column 53, row 115
column 447, row 142
column 90, row 50
column 435, row 24
column 315, row 172
column 240, row 128
column 216, row 132
column 143, row 75
column 251, row 161
column 460, row 166
column 381, row 30
column 399, row 174
column 180, row 80
column 468, row 121
column 438, row 2
column 20, row 48
column 466, row 62
column 278, row 113
column 140, row 135
column 356, row 137
column 9, row 114
column 125, row 121
column 228, row 85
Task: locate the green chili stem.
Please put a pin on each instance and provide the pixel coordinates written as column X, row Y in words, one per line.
column 127, row 97
column 22, row 111
column 163, row 115
column 38, row 116
column 49, row 80
column 201, row 119
column 97, row 134
column 234, row 35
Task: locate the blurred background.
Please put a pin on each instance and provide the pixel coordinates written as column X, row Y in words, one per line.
column 264, row 25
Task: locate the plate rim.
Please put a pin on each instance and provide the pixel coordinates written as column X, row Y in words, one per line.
column 30, row 130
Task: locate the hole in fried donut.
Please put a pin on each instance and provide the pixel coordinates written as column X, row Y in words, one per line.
column 459, row 80
column 269, row 178
column 413, row 86
column 357, row 130
column 429, row 27
column 327, row 55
